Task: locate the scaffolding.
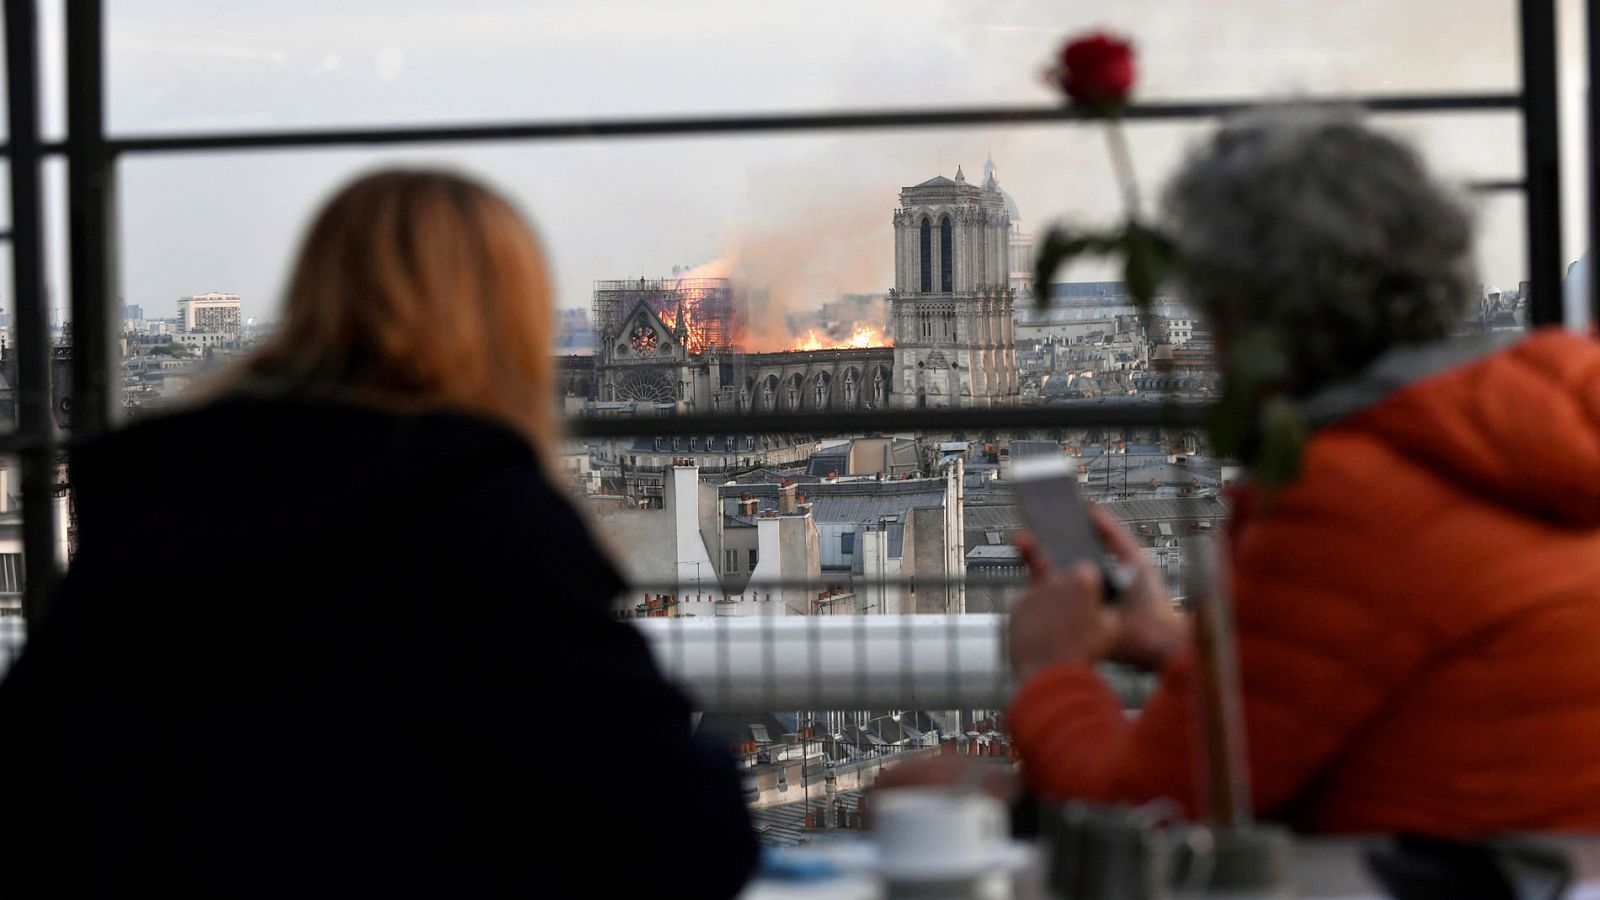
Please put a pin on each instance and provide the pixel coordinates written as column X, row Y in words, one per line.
column 709, row 307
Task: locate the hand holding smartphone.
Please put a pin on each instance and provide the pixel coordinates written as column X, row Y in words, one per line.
column 1058, row 517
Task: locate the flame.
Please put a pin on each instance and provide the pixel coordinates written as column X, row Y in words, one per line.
column 862, row 335
column 697, row 340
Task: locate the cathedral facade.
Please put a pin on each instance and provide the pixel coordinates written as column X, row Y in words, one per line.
column 952, row 304
column 670, row 341
column 652, row 358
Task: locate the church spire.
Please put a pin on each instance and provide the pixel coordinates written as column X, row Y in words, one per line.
column 960, row 178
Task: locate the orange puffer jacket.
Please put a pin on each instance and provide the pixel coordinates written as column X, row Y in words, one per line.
column 1418, row 620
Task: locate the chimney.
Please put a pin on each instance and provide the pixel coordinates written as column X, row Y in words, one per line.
column 786, row 498
column 748, row 507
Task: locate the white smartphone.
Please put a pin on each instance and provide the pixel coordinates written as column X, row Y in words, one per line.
column 1058, row 517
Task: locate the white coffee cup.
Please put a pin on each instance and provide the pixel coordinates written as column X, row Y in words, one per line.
column 939, row 832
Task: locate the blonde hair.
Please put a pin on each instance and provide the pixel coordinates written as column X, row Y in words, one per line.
column 419, row 291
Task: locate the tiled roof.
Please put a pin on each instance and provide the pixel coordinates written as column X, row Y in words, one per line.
column 847, row 501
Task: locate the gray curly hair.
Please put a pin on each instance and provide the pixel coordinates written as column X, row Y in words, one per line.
column 1328, row 234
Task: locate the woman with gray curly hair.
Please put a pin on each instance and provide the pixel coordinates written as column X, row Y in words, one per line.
column 1418, row 601
column 1329, row 236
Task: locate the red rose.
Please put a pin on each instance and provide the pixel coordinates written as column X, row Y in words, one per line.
column 1096, row 70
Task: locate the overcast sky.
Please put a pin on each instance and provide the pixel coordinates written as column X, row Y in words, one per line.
column 626, row 208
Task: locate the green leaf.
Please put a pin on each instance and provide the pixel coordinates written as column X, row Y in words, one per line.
column 1060, row 247
column 1057, row 249
column 1253, row 420
column 1150, row 257
column 1283, row 439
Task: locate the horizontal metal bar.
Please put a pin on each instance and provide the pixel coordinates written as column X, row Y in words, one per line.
column 821, row 662
column 826, row 580
column 769, row 123
column 741, row 664
column 999, row 419
column 1497, row 185
column 13, row 442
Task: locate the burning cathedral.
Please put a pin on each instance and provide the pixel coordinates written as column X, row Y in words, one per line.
column 950, row 330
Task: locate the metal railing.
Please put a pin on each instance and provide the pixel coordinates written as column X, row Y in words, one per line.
column 745, row 663
column 92, row 159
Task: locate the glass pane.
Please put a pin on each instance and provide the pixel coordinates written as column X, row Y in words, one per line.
column 792, row 242
column 13, row 626
column 57, row 299
column 624, row 209
column 802, row 228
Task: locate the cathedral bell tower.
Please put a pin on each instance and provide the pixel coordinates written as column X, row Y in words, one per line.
column 951, row 306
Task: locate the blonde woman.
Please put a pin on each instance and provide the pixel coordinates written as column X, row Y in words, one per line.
column 333, row 633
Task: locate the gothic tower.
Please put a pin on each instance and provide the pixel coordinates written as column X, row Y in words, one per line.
column 951, row 305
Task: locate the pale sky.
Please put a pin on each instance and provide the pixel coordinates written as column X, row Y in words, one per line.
column 637, row 207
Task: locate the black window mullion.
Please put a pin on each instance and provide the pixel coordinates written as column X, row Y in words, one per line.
column 1542, row 159
column 35, row 422
column 91, row 174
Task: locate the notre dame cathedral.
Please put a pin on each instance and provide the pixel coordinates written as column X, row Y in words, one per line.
column 950, row 310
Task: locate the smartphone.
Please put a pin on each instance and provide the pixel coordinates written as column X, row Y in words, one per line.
column 1058, row 517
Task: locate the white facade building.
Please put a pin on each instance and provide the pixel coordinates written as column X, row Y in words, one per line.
column 213, row 312
column 201, row 340
column 685, row 547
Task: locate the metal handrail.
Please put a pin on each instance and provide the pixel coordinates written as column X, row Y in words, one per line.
column 764, row 662
column 766, row 123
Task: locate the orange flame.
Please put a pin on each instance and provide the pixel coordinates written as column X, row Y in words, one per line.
column 862, row 335
column 696, row 340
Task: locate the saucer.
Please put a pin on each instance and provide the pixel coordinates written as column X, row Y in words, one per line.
column 1006, row 858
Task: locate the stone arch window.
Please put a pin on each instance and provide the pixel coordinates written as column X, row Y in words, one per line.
column 820, row 391
column 946, row 257
column 794, row 392
column 878, row 387
column 927, row 254
column 769, row 392
column 850, row 386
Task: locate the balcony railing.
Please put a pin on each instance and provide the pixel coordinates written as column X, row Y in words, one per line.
column 766, row 662
column 750, row 663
